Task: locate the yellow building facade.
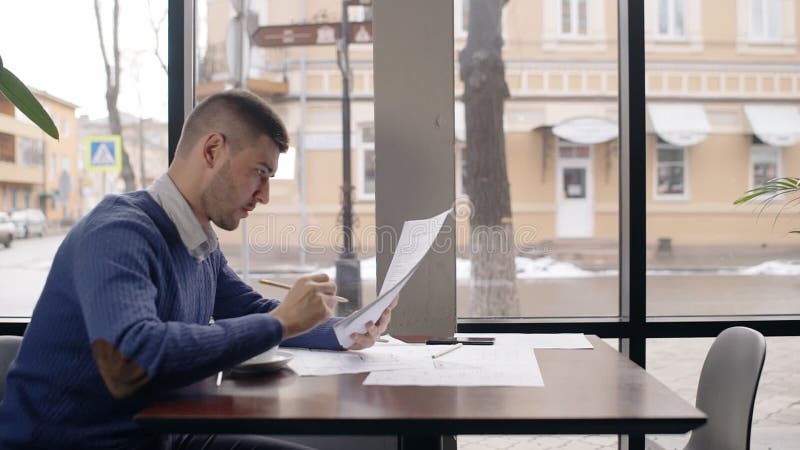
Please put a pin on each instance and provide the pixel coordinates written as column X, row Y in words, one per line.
column 723, row 105
column 37, row 171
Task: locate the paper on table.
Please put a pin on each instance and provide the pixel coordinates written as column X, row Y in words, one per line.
column 469, row 366
column 391, row 356
column 416, row 239
column 539, row 340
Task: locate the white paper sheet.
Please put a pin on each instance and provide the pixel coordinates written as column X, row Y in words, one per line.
column 416, row 239
column 395, row 355
column 564, row 341
column 470, row 365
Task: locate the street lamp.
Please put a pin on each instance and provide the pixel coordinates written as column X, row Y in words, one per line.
column 348, row 267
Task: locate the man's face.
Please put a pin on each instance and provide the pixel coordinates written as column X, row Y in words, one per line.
column 241, row 183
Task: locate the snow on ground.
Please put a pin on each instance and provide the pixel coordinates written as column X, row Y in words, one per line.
column 549, row 268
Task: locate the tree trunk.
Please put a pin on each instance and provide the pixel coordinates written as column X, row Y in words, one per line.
column 112, row 90
column 485, row 177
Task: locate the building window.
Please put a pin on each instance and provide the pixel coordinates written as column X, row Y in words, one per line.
column 366, row 185
column 461, row 17
column 765, row 20
column 31, row 152
column 574, row 18
column 6, row 148
column 671, row 19
column 765, row 164
column 53, row 169
column 671, row 172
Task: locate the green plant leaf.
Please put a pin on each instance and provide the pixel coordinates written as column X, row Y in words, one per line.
column 22, row 98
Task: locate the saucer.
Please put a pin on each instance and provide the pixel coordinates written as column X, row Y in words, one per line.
column 278, row 361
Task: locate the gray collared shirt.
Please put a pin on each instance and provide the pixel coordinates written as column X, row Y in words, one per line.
column 199, row 239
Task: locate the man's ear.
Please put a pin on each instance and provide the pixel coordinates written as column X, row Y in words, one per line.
column 213, row 148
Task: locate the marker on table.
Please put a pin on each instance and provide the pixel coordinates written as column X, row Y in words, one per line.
column 447, row 350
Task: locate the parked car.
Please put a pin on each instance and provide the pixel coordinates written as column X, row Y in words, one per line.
column 29, row 222
column 7, row 229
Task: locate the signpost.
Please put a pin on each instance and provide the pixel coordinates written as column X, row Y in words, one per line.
column 348, row 268
column 311, row 34
column 103, row 154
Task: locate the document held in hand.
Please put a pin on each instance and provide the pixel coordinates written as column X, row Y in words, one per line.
column 416, row 239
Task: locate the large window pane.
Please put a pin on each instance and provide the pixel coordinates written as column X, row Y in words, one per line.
column 721, row 119
column 301, row 229
column 776, row 416
column 537, row 179
column 46, row 185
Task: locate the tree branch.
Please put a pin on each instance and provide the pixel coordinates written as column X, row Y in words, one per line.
column 102, row 43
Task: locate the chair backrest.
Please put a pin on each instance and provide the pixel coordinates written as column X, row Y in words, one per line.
column 727, row 390
column 9, row 345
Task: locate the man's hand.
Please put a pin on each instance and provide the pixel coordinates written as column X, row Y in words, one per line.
column 374, row 330
column 310, row 302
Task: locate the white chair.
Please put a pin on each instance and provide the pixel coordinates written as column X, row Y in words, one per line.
column 727, row 391
column 9, row 345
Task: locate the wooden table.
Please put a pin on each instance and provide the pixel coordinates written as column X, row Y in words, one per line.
column 586, row 392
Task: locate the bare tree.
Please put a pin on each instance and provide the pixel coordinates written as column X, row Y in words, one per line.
column 156, row 27
column 485, row 176
column 112, row 88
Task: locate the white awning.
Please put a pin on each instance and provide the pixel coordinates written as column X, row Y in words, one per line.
column 680, row 124
column 586, row 130
column 777, row 125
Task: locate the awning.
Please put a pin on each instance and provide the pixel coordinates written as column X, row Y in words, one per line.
column 680, row 124
column 777, row 125
column 586, row 130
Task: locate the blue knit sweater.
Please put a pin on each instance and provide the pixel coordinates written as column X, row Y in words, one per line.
column 123, row 275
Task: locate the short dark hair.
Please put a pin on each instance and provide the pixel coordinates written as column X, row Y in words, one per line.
column 240, row 115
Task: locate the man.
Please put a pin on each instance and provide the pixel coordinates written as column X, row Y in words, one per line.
column 125, row 312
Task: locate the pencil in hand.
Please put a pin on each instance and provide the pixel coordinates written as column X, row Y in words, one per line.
column 274, row 283
column 287, row 287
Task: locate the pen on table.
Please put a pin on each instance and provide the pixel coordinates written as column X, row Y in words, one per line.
column 219, row 374
column 447, row 350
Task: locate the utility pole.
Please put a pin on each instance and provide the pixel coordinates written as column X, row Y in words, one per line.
column 348, row 267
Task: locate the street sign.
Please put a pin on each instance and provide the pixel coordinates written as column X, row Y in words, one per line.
column 104, row 153
column 311, row 34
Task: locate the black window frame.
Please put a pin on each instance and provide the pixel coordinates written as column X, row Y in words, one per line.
column 633, row 327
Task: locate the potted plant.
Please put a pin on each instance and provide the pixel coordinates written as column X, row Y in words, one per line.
column 21, row 97
column 771, row 191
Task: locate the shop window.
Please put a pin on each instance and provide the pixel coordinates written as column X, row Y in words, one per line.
column 671, row 172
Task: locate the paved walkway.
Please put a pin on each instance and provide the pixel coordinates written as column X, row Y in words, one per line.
column 677, row 363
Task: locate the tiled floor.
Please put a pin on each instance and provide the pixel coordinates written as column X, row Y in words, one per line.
column 677, row 363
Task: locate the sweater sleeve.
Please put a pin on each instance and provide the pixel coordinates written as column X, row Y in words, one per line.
column 235, row 298
column 131, row 345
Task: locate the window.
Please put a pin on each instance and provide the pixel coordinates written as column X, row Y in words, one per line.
column 286, row 164
column 671, row 174
column 6, row 148
column 366, row 185
column 31, row 152
column 52, row 170
column 574, row 18
column 765, row 20
column 461, row 18
column 671, row 19
column 765, row 164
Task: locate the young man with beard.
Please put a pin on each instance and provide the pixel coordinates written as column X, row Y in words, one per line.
column 124, row 315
